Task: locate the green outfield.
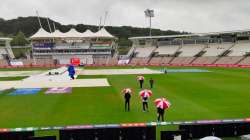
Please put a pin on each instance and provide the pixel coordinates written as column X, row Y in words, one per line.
column 220, row 94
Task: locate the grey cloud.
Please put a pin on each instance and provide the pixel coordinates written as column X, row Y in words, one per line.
column 187, row 15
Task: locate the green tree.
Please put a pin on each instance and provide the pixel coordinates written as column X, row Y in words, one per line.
column 19, row 40
column 124, row 42
column 1, row 34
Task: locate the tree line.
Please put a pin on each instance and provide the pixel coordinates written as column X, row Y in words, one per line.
column 27, row 26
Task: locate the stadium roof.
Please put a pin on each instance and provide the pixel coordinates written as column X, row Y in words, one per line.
column 72, row 33
column 41, row 33
column 57, row 33
column 103, row 33
column 88, row 33
column 189, row 35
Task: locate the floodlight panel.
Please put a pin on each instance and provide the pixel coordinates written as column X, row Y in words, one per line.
column 149, row 13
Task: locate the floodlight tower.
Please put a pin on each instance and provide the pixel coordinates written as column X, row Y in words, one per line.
column 38, row 17
column 149, row 14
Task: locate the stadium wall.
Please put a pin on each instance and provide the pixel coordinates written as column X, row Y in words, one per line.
column 142, row 65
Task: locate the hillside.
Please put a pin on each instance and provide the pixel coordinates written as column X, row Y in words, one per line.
column 29, row 25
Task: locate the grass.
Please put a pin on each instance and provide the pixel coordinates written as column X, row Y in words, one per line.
column 222, row 93
column 12, row 78
column 23, row 69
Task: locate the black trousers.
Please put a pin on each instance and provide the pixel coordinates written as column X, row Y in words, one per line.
column 141, row 83
column 72, row 77
column 151, row 85
column 127, row 105
column 160, row 116
column 145, row 106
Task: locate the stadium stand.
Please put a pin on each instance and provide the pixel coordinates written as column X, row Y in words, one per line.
column 90, row 60
column 166, row 60
column 72, row 45
column 45, row 61
column 27, row 61
column 240, row 49
column 190, row 50
column 3, row 62
column 100, row 60
column 245, row 61
column 229, row 60
column 205, row 60
column 144, row 51
column 167, row 50
column 139, row 61
column 156, row 60
column 182, row 60
column 112, row 61
column 217, row 49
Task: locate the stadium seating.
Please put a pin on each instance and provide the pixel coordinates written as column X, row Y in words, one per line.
column 190, row 50
column 156, row 60
column 41, row 62
column 240, row 49
column 28, row 61
column 3, row 62
column 112, row 61
column 167, row 50
column 141, row 61
column 216, row 49
column 246, row 61
column 74, row 45
column 229, row 60
column 166, row 60
column 182, row 60
column 144, row 51
column 90, row 60
column 100, row 61
column 205, row 60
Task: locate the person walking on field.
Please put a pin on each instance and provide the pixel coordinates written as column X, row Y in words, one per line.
column 71, row 71
column 161, row 104
column 145, row 94
column 141, row 80
column 160, row 112
column 145, row 104
column 151, row 82
column 127, row 96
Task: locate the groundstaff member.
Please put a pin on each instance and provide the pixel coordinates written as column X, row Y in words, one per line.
column 71, row 70
column 161, row 104
column 160, row 112
column 144, row 104
column 151, row 82
column 140, row 80
column 127, row 96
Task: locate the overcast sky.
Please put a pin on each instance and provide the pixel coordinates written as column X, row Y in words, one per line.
column 182, row 15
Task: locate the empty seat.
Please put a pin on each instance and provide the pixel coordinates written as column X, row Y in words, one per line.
column 144, row 51
column 135, row 61
column 246, row 61
column 112, row 61
column 205, row 60
column 182, row 60
column 240, row 49
column 156, row 60
column 167, row 50
column 190, row 50
column 3, row 62
column 166, row 60
column 229, row 60
column 217, row 49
